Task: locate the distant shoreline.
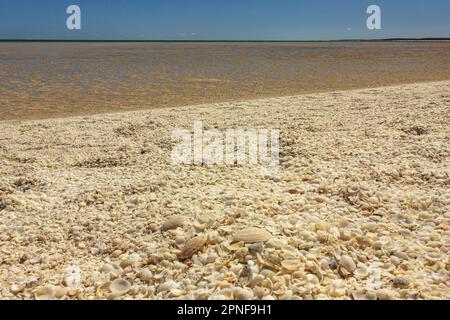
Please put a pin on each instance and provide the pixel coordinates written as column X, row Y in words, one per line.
column 230, row 41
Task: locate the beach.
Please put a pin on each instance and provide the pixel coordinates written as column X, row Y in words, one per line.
column 92, row 206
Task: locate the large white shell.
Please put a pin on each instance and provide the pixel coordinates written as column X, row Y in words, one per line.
column 252, row 235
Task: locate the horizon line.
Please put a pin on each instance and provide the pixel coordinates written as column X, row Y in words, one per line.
column 209, row 40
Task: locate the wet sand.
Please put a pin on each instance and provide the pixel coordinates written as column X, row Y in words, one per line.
column 360, row 209
column 42, row 80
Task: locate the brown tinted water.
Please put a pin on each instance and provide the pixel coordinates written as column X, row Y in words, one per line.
column 40, row 80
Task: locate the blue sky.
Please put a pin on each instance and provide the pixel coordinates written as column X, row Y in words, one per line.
column 223, row 19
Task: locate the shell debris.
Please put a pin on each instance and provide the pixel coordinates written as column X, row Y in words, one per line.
column 93, row 207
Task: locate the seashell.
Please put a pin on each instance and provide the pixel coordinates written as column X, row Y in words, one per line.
column 385, row 294
column 217, row 297
column 16, row 288
column 120, row 287
column 191, row 247
column 235, row 246
column 72, row 277
column 401, row 282
column 312, row 279
column 168, row 286
column 287, row 295
column 276, row 244
column 105, row 286
column 180, row 240
column 145, row 275
column 151, row 228
column 202, row 222
column 126, row 263
column 395, row 260
column 371, row 295
column 361, row 272
column 377, row 245
column 255, row 248
column 44, row 293
column 61, row 292
column 269, row 261
column 173, row 223
column 159, row 276
column 338, row 293
column 112, row 269
column 257, row 279
column 352, row 189
column 175, row 293
column 246, row 275
column 290, row 265
column 324, row 265
column 371, row 227
column 322, row 226
column 252, row 235
column 363, row 241
column 259, row 292
column 344, row 235
column 267, row 283
column 106, row 268
column 347, row 263
column 363, row 295
column 242, row 294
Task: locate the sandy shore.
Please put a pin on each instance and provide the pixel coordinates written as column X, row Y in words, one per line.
column 360, row 209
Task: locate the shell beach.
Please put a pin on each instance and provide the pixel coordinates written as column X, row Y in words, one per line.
column 91, row 207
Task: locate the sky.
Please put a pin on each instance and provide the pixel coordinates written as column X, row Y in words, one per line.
column 223, row 19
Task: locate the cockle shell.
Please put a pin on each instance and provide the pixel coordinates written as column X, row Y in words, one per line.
column 173, row 223
column 347, row 263
column 191, row 247
column 252, row 235
column 120, row 287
